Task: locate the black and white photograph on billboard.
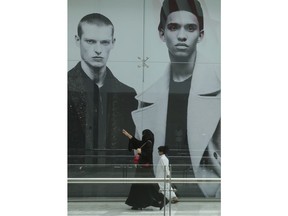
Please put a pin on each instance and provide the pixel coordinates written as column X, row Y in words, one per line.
column 182, row 107
column 146, row 65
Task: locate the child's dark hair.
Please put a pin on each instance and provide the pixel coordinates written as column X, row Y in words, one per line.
column 163, row 149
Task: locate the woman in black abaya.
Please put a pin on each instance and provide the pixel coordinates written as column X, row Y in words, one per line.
column 144, row 195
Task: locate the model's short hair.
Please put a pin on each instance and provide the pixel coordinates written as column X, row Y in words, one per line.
column 170, row 6
column 94, row 18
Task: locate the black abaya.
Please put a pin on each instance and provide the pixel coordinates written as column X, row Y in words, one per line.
column 144, row 195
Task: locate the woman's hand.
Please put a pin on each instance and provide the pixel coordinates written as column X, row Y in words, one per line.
column 127, row 134
column 139, row 151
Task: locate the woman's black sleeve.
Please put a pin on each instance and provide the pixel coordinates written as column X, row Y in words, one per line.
column 134, row 143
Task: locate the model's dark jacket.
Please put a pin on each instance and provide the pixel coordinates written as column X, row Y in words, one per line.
column 96, row 116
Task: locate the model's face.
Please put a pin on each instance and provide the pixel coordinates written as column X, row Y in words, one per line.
column 181, row 33
column 95, row 44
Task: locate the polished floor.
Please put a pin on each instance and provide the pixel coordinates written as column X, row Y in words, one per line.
column 121, row 209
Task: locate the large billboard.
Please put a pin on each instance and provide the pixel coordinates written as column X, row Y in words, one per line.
column 151, row 65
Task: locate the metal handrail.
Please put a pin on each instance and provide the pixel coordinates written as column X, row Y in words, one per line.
column 141, row 180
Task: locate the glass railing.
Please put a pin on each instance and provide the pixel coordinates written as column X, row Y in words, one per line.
column 114, row 181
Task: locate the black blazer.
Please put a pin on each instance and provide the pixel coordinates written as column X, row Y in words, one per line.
column 111, row 105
